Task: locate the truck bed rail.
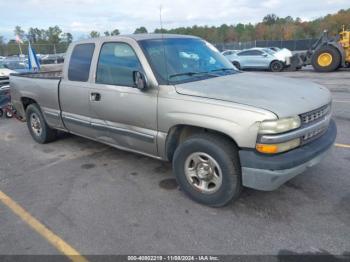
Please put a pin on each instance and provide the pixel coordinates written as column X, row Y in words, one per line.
column 41, row 75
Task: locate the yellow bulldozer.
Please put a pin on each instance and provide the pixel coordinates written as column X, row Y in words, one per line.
column 328, row 54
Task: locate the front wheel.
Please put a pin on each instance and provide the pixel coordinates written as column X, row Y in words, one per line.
column 208, row 170
column 276, row 66
column 37, row 125
column 237, row 65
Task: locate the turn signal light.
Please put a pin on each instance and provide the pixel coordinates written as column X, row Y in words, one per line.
column 267, row 149
column 277, row 148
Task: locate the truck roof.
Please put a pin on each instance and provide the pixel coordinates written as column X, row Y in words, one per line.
column 136, row 37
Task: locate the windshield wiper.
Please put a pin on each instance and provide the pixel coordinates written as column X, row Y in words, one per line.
column 192, row 74
column 223, row 69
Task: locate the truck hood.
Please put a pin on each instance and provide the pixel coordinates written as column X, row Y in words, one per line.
column 282, row 96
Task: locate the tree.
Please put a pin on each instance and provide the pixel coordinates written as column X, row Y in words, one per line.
column 19, row 32
column 53, row 35
column 67, row 38
column 141, row 30
column 94, row 34
column 115, row 32
column 36, row 35
column 106, row 33
column 270, row 19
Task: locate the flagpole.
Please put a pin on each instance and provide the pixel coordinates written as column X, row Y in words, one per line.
column 20, row 48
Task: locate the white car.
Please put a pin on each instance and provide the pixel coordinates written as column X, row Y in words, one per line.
column 4, row 74
column 261, row 58
column 229, row 54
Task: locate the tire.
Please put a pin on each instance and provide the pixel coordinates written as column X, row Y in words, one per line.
column 1, row 112
column 237, row 65
column 276, row 66
column 9, row 114
column 38, row 127
column 227, row 167
column 326, row 59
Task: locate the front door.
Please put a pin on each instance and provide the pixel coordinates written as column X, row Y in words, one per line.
column 121, row 114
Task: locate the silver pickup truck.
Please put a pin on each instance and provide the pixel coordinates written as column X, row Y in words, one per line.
column 176, row 98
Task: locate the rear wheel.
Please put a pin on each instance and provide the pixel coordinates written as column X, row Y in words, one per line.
column 207, row 168
column 326, row 59
column 1, row 112
column 9, row 114
column 276, row 66
column 37, row 125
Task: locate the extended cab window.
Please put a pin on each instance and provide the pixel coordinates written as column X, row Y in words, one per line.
column 80, row 62
column 116, row 64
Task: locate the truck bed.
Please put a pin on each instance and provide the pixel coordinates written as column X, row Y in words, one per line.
column 42, row 87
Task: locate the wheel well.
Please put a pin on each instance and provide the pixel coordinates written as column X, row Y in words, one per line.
column 178, row 134
column 26, row 101
column 275, row 61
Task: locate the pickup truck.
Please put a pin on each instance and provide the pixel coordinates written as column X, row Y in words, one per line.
column 176, row 98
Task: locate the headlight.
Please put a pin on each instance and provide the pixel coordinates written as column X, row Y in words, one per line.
column 279, row 125
column 278, row 148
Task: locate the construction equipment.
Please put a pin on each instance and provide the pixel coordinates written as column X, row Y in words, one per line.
column 328, row 54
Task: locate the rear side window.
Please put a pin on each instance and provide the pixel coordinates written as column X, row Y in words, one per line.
column 80, row 62
column 116, row 64
column 244, row 53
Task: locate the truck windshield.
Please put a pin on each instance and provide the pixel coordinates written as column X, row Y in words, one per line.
column 180, row 60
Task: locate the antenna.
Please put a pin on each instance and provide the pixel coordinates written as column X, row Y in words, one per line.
column 160, row 18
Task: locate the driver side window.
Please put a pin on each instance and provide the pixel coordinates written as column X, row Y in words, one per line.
column 116, row 65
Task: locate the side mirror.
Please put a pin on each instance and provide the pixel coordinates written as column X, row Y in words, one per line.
column 140, row 80
column 264, row 55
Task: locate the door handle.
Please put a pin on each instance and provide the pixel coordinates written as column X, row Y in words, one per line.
column 95, row 96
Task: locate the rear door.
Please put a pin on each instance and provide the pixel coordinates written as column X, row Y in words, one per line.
column 74, row 90
column 121, row 114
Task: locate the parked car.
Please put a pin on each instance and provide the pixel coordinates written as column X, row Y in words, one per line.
column 274, row 48
column 260, row 58
column 4, row 74
column 229, row 54
column 176, row 98
column 18, row 66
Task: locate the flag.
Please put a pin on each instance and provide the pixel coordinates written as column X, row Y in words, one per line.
column 19, row 40
column 33, row 62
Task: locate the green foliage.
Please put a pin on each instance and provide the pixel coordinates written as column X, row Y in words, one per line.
column 19, row 32
column 271, row 27
column 44, row 41
column 115, row 32
column 94, row 34
column 141, row 30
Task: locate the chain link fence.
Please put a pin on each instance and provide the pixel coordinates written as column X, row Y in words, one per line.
column 293, row 45
column 44, row 49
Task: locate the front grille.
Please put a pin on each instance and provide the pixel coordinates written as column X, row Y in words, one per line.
column 315, row 115
column 311, row 136
column 4, row 81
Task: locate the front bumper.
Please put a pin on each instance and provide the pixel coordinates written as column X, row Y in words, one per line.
column 268, row 172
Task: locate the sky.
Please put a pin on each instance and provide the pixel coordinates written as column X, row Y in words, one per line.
column 80, row 17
